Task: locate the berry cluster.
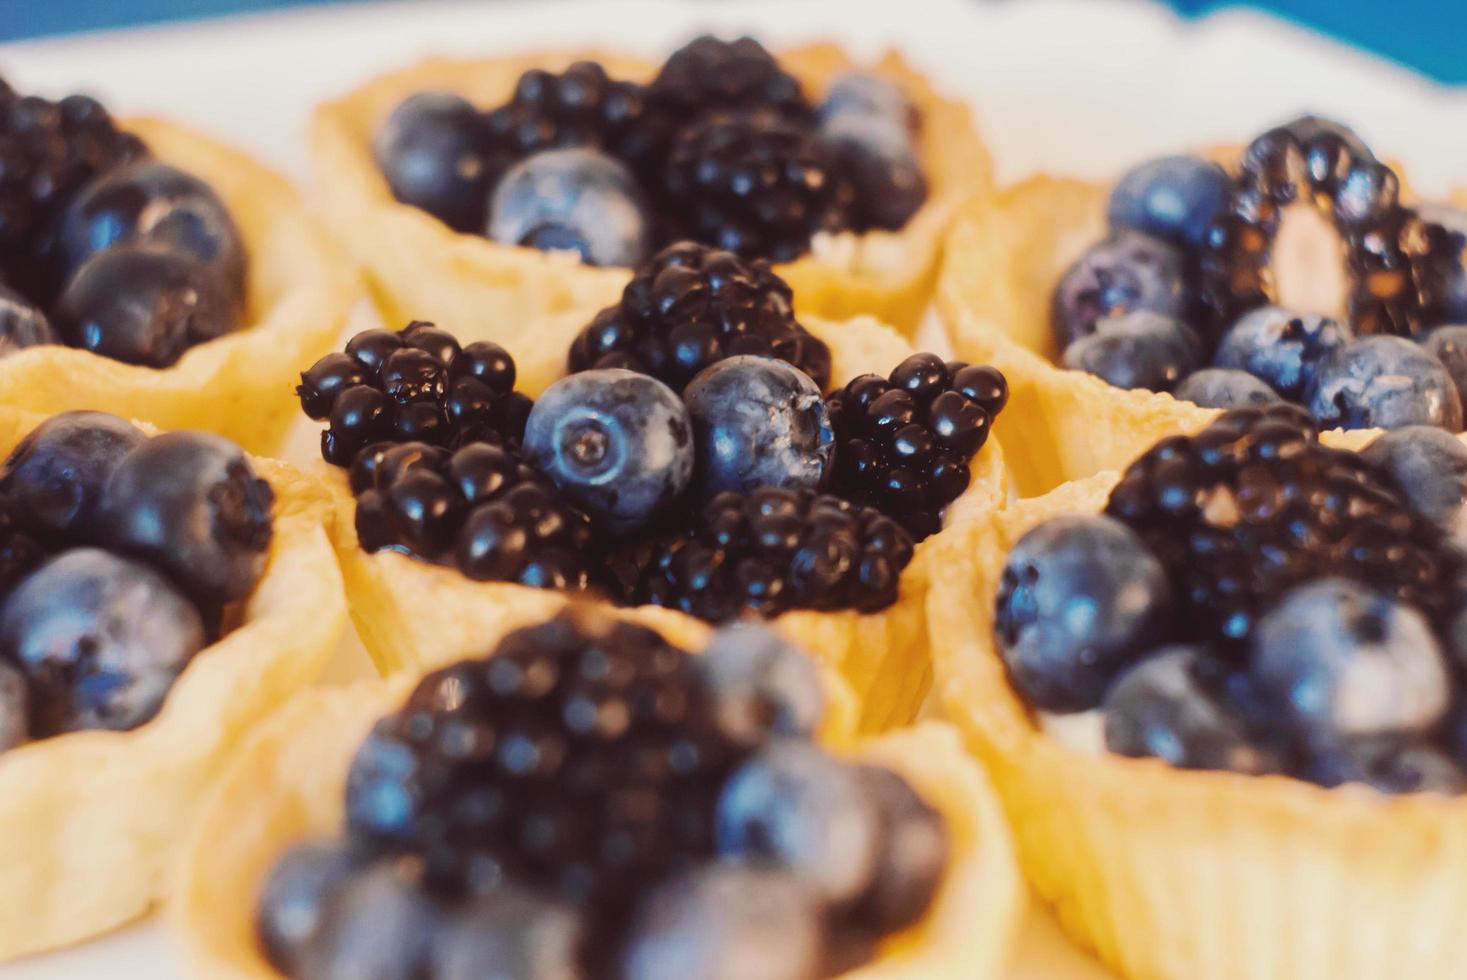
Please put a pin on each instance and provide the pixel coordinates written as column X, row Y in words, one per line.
column 722, row 146
column 603, row 803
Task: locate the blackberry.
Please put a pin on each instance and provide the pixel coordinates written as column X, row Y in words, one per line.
column 1254, row 504
column 767, row 551
column 692, row 306
column 709, row 74
column 415, row 385
column 755, row 183
column 478, row 508
column 48, row 150
column 903, row 443
column 582, row 756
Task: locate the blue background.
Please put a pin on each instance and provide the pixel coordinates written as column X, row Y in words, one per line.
column 1428, row 35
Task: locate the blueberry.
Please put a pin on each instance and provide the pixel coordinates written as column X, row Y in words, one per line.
column 22, row 324
column 1137, row 350
column 297, row 898
column 879, row 158
column 1429, row 466
column 1454, row 222
column 1176, row 198
column 54, row 478
column 797, row 809
column 1340, row 661
column 433, row 150
column 724, row 923
column 1281, row 347
column 510, row 934
column 758, row 422
column 15, row 707
column 1173, row 705
column 574, row 200
column 913, row 857
column 153, row 202
column 1224, row 388
column 380, row 927
column 192, row 504
column 1449, row 345
column 1081, row 597
column 1126, row 272
column 761, row 684
column 858, row 93
column 101, row 639
column 142, row 304
column 1389, row 766
column 1383, row 382
column 617, row 442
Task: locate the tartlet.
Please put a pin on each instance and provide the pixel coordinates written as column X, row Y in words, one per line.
column 413, row 615
column 419, row 267
column 1171, row 873
column 93, row 820
column 300, row 290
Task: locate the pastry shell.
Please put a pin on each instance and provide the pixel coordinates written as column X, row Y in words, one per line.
column 418, row 267
column 91, row 822
column 300, row 289
column 288, row 785
column 414, row 615
column 1171, row 874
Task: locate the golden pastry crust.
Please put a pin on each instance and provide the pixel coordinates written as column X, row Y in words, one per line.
column 412, row 615
column 1185, row 875
column 91, row 822
column 419, row 267
column 288, row 785
column 300, row 291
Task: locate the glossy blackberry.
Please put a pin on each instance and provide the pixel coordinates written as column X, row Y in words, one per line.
column 48, row 150
column 414, row 385
column 1254, row 504
column 903, row 442
column 1398, row 264
column 709, row 74
column 755, row 183
column 767, row 551
column 478, row 508
column 581, row 756
column 692, row 306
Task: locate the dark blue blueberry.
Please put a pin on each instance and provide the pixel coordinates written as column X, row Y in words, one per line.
column 1137, row 350
column 1176, row 198
column 1449, row 345
column 1383, row 382
column 913, row 858
column 22, row 324
column 511, row 934
column 1128, row 271
column 758, row 422
column 1340, row 662
column 1224, row 388
column 153, row 202
column 15, row 707
column 433, row 150
column 1280, row 347
column 298, row 896
column 858, row 93
column 1389, row 766
column 1429, row 466
column 100, row 638
column 797, row 809
column 380, row 927
column 726, row 923
column 761, row 684
column 54, row 478
column 1454, row 222
column 142, row 304
column 1081, row 598
column 382, row 792
column 1174, row 705
column 616, row 442
column 575, row 200
column 879, row 157
column 192, row 504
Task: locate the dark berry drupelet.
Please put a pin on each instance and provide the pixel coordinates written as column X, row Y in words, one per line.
column 692, row 306
column 414, row 385
column 582, row 756
column 1254, row 504
column 755, row 183
column 708, row 74
column 767, row 551
column 478, row 508
column 48, row 150
column 904, row 442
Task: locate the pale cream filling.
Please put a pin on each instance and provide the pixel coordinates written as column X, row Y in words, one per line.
column 1308, row 267
column 1082, row 731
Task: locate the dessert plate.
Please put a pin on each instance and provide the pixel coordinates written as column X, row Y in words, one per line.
column 1066, row 86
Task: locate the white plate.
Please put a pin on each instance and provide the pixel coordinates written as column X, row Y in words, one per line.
column 1068, row 86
